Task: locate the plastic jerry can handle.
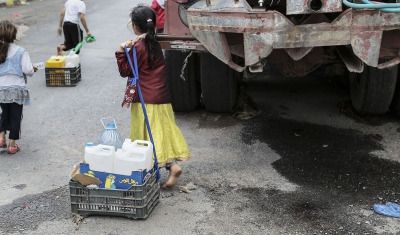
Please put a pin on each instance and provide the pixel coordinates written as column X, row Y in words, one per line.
column 105, row 149
column 108, row 118
column 142, row 143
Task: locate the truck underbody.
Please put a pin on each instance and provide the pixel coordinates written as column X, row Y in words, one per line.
column 297, row 36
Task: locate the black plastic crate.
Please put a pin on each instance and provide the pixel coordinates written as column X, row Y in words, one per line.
column 136, row 202
column 63, row 76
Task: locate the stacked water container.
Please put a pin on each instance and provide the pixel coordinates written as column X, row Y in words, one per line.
column 134, row 156
column 113, row 157
column 100, row 157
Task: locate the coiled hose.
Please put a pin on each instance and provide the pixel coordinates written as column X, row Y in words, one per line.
column 386, row 7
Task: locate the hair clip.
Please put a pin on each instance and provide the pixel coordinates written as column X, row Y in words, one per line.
column 149, row 20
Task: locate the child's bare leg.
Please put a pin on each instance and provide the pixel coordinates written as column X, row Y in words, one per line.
column 3, row 135
column 3, row 143
column 174, row 172
column 12, row 143
column 60, row 49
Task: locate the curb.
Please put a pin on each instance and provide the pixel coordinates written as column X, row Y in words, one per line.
column 5, row 3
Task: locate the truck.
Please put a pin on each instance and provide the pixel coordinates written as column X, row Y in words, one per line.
column 209, row 44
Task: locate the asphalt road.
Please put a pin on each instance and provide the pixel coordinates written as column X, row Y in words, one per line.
column 300, row 167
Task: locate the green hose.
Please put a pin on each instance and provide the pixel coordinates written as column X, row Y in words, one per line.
column 87, row 39
column 386, row 7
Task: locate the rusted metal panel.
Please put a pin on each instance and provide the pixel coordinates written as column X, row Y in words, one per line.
column 265, row 31
column 173, row 24
column 285, row 32
column 224, row 5
column 239, row 5
column 286, row 35
column 216, row 44
column 165, row 37
column 233, row 23
column 294, row 7
column 257, row 47
column 306, row 36
column 366, row 46
column 363, row 20
column 211, row 41
column 366, row 38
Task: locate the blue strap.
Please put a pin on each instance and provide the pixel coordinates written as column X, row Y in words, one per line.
column 134, row 80
column 134, row 71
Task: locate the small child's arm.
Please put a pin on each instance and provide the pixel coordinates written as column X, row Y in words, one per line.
column 128, row 44
column 27, row 67
column 61, row 21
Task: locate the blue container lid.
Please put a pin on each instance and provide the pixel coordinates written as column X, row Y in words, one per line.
column 89, row 144
column 111, row 126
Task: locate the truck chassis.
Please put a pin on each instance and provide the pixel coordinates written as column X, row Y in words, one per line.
column 297, row 36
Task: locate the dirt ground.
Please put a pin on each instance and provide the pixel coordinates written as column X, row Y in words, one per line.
column 300, row 167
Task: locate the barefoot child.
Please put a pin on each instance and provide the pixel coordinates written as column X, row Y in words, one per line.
column 169, row 142
column 73, row 12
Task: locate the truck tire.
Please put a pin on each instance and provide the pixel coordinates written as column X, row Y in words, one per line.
column 372, row 90
column 184, row 94
column 218, row 84
column 395, row 105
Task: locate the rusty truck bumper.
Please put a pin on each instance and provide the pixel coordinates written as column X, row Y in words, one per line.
column 252, row 34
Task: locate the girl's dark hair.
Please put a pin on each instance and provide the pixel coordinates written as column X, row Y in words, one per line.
column 8, row 33
column 145, row 18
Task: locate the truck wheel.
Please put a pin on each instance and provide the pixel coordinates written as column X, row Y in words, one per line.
column 372, row 90
column 185, row 95
column 218, row 84
column 395, row 105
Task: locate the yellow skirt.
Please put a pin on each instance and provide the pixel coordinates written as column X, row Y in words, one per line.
column 168, row 139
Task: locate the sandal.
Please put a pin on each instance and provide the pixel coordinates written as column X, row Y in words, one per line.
column 12, row 150
column 3, row 144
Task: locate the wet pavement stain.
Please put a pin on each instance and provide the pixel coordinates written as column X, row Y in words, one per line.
column 304, row 212
column 216, row 121
column 334, row 169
